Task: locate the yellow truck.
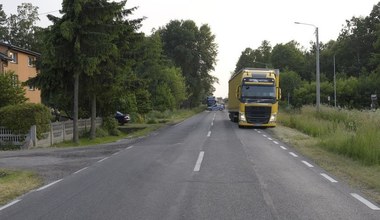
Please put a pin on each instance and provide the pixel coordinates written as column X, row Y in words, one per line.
column 253, row 97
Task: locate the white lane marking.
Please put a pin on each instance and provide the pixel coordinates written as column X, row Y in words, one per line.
column 209, row 134
column 9, row 204
column 103, row 159
column 48, row 185
column 307, row 164
column 130, row 147
column 293, row 154
column 259, row 132
column 275, row 142
column 284, row 148
column 81, row 170
column 366, row 202
column 212, row 124
column 199, row 161
column 116, row 153
column 328, row 178
column 255, row 129
column 270, row 139
column 264, row 135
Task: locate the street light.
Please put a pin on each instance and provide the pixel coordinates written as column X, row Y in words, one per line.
column 318, row 88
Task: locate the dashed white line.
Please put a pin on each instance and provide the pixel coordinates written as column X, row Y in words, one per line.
column 81, row 170
column 259, row 132
column 212, row 124
column 209, row 134
column 293, row 154
column 264, row 135
column 307, row 164
column 48, row 185
column 328, row 178
column 284, row 148
column 9, row 204
column 199, row 161
column 270, row 139
column 275, row 142
column 103, row 159
column 366, row 202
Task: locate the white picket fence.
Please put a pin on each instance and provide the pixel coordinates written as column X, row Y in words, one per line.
column 59, row 132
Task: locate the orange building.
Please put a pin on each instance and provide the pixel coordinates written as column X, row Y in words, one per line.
column 22, row 62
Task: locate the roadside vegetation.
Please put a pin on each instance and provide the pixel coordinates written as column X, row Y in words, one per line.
column 344, row 142
column 15, row 183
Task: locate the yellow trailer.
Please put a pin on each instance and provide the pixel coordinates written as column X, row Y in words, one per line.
column 253, row 97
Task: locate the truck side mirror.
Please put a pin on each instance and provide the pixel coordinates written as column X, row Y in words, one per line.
column 278, row 93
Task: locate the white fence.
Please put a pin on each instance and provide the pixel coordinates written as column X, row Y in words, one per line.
column 59, row 132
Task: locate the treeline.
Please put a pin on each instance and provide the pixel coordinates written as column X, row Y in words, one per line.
column 357, row 65
column 94, row 60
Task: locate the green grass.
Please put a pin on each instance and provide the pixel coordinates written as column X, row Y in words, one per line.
column 15, row 183
column 354, row 134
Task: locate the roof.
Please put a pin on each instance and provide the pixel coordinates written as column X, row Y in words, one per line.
column 19, row 49
column 4, row 57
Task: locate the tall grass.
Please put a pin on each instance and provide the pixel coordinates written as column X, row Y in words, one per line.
column 352, row 133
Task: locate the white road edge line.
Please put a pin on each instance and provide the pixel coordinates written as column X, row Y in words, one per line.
column 307, row 164
column 116, row 153
column 81, row 170
column 366, row 202
column 209, row 134
column 9, row 204
column 48, row 185
column 270, row 139
column 284, row 148
column 103, row 159
column 130, row 147
column 293, row 154
column 328, row 178
column 275, row 142
column 199, row 161
column 264, row 135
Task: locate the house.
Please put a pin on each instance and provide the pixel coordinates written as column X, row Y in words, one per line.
column 22, row 63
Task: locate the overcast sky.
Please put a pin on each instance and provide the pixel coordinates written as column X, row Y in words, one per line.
column 237, row 24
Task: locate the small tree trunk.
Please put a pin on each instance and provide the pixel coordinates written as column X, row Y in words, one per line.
column 76, row 100
column 93, row 117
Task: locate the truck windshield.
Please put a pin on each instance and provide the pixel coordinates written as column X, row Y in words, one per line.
column 258, row 93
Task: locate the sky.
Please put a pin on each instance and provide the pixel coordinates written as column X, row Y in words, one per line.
column 237, row 24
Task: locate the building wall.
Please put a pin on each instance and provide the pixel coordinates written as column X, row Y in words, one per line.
column 24, row 71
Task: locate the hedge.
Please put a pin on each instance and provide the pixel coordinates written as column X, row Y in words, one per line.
column 21, row 117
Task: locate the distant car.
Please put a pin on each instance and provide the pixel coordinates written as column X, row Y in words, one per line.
column 122, row 118
column 215, row 107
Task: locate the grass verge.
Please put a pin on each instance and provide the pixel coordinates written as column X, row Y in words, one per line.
column 355, row 173
column 14, row 183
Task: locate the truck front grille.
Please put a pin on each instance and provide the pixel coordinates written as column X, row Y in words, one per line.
column 257, row 114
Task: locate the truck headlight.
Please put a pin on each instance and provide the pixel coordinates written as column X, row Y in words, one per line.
column 242, row 117
column 273, row 118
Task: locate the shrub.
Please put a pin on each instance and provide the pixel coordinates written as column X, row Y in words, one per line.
column 21, row 117
column 110, row 125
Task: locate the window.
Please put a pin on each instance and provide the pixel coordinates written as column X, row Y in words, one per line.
column 31, row 61
column 15, row 81
column 31, row 87
column 13, row 56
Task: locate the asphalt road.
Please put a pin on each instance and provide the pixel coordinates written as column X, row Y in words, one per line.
column 202, row 168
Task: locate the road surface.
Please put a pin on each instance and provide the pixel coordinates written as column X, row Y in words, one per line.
column 203, row 168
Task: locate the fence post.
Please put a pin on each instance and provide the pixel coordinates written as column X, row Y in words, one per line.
column 33, row 135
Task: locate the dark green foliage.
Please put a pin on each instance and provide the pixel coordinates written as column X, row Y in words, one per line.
column 21, row 117
column 11, row 92
column 193, row 50
column 110, row 125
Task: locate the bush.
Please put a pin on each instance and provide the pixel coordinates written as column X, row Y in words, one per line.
column 110, row 125
column 21, row 117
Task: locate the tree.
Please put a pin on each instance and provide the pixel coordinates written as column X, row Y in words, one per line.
column 11, row 92
column 21, row 26
column 3, row 22
column 289, row 82
column 194, row 51
column 77, row 44
column 259, row 58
